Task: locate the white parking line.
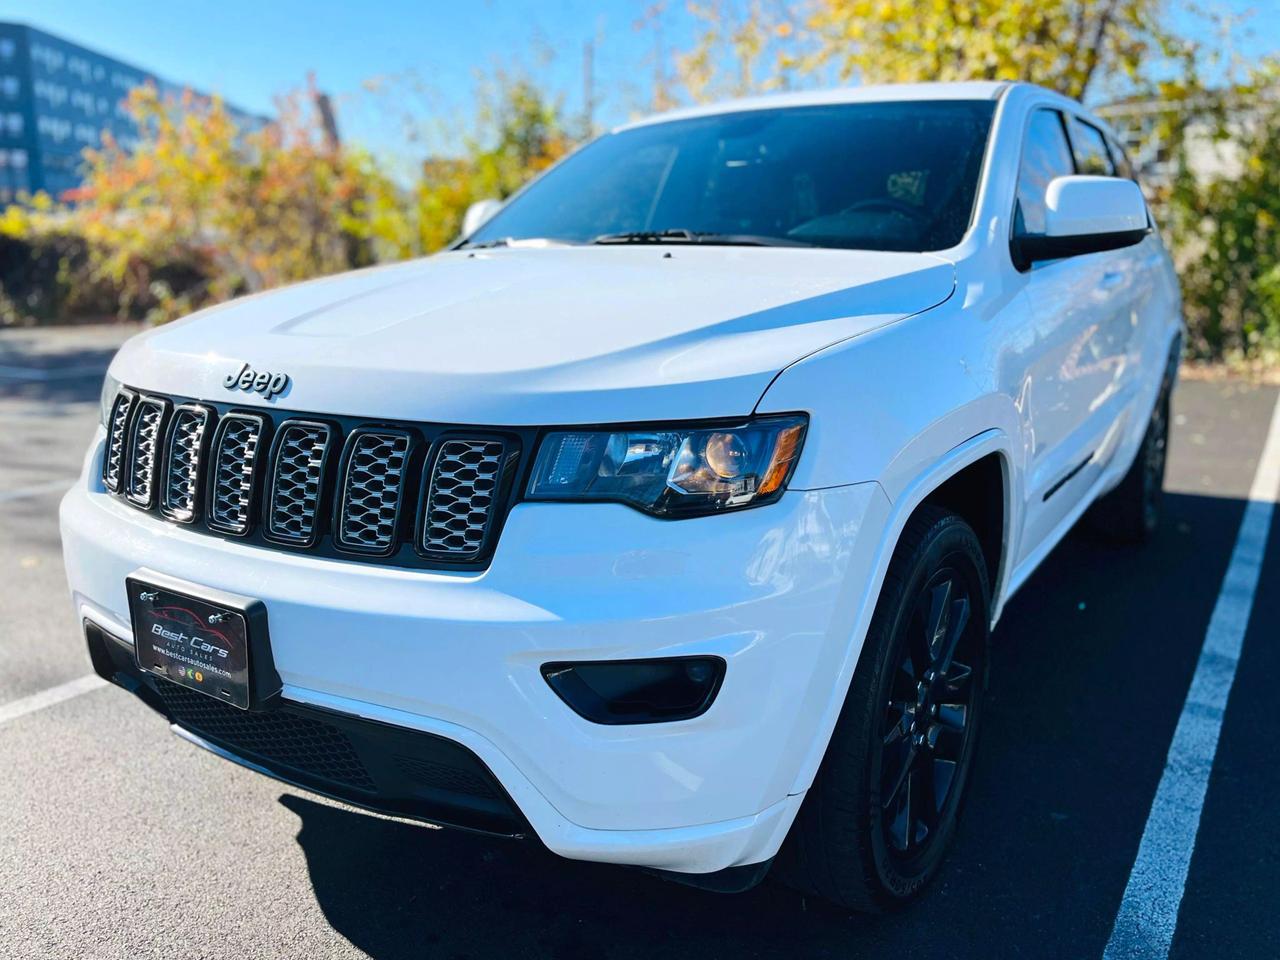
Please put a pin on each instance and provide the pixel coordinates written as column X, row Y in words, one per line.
column 47, row 698
column 52, row 486
column 1148, row 913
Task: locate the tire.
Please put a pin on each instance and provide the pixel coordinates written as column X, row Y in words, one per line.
column 1131, row 512
column 852, row 843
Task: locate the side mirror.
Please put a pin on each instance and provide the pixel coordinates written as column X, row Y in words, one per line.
column 1085, row 215
column 477, row 214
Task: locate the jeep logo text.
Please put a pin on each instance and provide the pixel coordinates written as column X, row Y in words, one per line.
column 267, row 384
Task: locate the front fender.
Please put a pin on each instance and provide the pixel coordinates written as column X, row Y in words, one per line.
column 889, row 405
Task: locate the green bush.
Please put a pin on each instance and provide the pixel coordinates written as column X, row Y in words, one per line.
column 1226, row 242
column 47, row 278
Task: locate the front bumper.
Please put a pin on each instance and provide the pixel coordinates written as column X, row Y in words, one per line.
column 388, row 769
column 775, row 591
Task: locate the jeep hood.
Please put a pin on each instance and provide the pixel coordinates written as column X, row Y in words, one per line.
column 553, row 335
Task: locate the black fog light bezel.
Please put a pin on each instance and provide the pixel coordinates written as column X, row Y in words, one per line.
column 567, row 679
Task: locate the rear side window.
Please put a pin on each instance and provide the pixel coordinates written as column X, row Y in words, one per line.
column 1045, row 155
column 1090, row 148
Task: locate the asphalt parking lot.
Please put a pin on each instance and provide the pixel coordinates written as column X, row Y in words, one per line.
column 119, row 840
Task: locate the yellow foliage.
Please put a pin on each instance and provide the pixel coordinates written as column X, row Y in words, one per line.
column 1067, row 45
column 518, row 135
column 1063, row 44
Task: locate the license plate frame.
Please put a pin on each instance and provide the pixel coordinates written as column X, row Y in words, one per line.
column 204, row 639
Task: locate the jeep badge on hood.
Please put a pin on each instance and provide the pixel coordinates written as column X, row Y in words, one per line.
column 267, row 384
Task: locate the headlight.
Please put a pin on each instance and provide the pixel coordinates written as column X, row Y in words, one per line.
column 110, row 387
column 671, row 471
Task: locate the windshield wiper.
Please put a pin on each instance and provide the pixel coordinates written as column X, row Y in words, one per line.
column 648, row 236
column 681, row 235
column 514, row 242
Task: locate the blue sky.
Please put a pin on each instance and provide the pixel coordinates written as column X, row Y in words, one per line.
column 251, row 50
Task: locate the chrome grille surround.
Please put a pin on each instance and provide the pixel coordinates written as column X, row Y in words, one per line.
column 461, row 498
column 372, row 489
column 185, row 452
column 143, row 455
column 234, row 465
column 297, row 477
column 117, row 440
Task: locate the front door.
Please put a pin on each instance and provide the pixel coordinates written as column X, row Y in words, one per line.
column 1081, row 319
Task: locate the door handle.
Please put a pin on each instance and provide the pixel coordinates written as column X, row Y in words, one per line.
column 1112, row 278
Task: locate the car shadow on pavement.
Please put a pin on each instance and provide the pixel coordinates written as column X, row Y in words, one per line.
column 1091, row 665
column 396, row 890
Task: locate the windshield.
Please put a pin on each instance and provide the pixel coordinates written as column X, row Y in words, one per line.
column 872, row 176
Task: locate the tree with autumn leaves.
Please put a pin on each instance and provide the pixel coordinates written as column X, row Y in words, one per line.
column 1071, row 46
column 518, row 133
column 199, row 210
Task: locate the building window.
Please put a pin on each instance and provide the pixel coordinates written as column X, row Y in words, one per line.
column 54, row 93
column 51, row 59
column 64, row 163
column 7, row 48
column 13, row 174
column 54, row 128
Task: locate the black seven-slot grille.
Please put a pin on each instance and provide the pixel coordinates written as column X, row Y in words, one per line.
column 184, row 455
column 234, row 464
column 372, row 489
column 293, row 505
column 144, row 450
column 406, row 494
column 117, row 440
column 459, row 507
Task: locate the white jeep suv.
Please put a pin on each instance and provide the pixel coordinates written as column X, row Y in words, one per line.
column 665, row 517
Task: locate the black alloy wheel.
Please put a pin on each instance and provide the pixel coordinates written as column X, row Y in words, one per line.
column 1155, row 447
column 877, row 821
column 1131, row 512
column 925, row 731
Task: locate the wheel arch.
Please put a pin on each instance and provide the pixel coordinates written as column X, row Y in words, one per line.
column 943, row 482
column 976, row 493
column 976, row 480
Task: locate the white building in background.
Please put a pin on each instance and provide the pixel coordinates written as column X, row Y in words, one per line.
column 1143, row 125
